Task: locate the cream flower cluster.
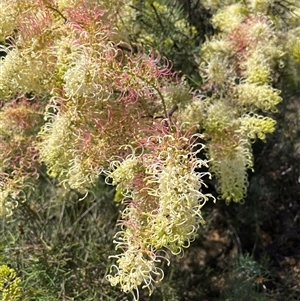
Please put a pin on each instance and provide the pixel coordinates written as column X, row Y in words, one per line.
column 7, row 19
column 240, row 67
column 10, row 284
column 164, row 201
column 229, row 168
column 7, row 197
column 23, row 71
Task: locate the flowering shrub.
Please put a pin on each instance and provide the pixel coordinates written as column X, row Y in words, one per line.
column 240, row 67
column 164, row 189
column 79, row 99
